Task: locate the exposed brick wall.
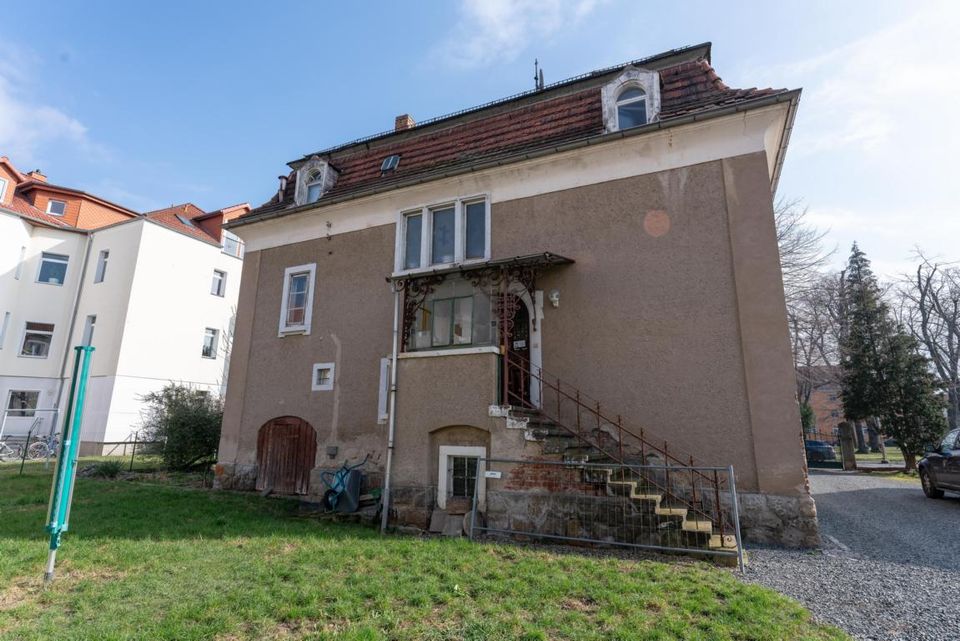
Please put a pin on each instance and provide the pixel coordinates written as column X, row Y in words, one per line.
column 93, row 215
column 549, row 478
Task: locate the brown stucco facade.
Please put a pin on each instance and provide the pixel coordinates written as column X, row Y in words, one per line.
column 673, row 314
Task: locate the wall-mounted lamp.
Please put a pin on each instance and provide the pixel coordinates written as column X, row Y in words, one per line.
column 554, row 297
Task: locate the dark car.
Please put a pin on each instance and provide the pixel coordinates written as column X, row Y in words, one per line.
column 940, row 468
column 819, row 451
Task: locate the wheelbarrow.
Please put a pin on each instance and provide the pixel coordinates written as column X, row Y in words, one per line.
column 343, row 493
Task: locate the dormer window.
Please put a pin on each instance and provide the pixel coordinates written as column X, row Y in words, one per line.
column 632, row 99
column 631, row 108
column 314, row 178
column 314, row 185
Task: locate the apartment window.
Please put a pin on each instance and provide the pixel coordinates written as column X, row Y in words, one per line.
column 56, row 207
column 101, row 266
column 297, row 302
column 383, row 396
column 454, row 315
column 3, row 328
column 210, row 338
column 219, row 285
column 88, row 328
column 3, row 188
column 444, row 234
column 53, row 268
column 231, row 244
column 322, row 377
column 631, row 108
column 22, row 403
column 36, row 340
column 314, row 185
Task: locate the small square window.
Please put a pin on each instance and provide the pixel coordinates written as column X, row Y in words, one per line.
column 322, row 377
column 37, row 338
column 53, row 268
column 56, row 207
column 22, row 403
column 101, row 272
column 210, row 339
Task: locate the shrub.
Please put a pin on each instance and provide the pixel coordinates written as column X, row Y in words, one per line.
column 185, row 422
column 106, row 469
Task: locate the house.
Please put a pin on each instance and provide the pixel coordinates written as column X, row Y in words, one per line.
column 615, row 230
column 155, row 295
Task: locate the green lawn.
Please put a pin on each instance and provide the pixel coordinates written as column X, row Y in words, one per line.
column 894, row 455
column 153, row 562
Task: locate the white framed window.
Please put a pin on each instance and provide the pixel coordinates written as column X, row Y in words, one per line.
column 22, row 403
column 231, row 244
column 3, row 328
column 321, row 379
column 296, row 306
column 88, row 326
column 461, row 471
column 455, row 315
column 314, row 185
column 631, row 99
column 101, row 272
column 53, row 269
column 211, row 337
column 443, row 234
column 37, row 338
column 218, row 286
column 383, row 396
column 56, row 207
column 3, row 188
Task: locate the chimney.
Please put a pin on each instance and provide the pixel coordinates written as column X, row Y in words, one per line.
column 403, row 121
column 37, row 175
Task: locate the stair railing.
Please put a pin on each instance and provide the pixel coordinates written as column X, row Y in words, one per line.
column 520, row 374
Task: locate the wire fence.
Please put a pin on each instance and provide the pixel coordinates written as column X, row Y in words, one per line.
column 602, row 503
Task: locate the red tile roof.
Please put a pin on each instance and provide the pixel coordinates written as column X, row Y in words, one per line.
column 170, row 218
column 541, row 120
column 22, row 207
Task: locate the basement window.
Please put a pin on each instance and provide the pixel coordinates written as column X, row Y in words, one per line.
column 323, row 377
column 22, row 403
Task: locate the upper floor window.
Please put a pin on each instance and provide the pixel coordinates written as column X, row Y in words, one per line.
column 53, row 268
column 314, row 185
column 231, row 244
column 631, row 108
column 56, row 207
column 631, row 99
column 3, row 188
column 101, row 266
column 219, row 285
column 88, row 327
column 210, row 339
column 455, row 314
column 3, row 327
column 444, row 234
column 37, row 338
column 296, row 307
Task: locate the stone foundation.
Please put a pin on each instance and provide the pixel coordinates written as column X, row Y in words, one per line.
column 234, row 476
column 789, row 521
column 412, row 506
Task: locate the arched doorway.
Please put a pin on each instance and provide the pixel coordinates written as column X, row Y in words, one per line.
column 286, row 451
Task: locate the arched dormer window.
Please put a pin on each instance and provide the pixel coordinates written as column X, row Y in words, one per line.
column 631, row 99
column 314, row 185
column 631, row 108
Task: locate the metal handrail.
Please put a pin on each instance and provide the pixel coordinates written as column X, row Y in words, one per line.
column 713, row 481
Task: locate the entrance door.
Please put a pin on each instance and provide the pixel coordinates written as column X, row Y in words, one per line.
column 286, row 451
column 519, row 379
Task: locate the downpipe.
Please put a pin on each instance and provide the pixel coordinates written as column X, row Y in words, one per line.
column 392, row 421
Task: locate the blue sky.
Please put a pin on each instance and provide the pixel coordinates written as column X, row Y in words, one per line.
column 155, row 104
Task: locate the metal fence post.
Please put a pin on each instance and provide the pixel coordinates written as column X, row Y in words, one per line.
column 735, row 503
column 26, row 446
column 481, row 474
column 135, row 436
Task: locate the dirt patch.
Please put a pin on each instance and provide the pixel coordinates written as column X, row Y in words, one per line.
column 583, row 604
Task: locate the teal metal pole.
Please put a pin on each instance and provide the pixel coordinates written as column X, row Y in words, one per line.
column 61, row 494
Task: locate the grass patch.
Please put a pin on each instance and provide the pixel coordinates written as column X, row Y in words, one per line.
column 161, row 562
column 894, row 455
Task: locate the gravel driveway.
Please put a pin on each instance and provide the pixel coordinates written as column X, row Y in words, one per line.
column 890, row 567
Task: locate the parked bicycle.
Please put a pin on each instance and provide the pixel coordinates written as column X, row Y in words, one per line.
column 10, row 451
column 44, row 447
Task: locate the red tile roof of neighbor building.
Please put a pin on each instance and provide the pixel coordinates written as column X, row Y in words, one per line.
column 180, row 218
column 21, row 206
column 538, row 120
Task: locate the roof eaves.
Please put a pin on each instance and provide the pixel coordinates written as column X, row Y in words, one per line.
column 34, row 184
column 790, row 95
column 158, row 223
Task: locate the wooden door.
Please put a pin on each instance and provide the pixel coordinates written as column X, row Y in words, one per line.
column 286, row 451
column 519, row 337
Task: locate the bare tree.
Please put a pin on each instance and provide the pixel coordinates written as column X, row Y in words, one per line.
column 930, row 309
column 802, row 256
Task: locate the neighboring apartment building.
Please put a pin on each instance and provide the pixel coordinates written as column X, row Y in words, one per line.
column 615, row 229
column 155, row 294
